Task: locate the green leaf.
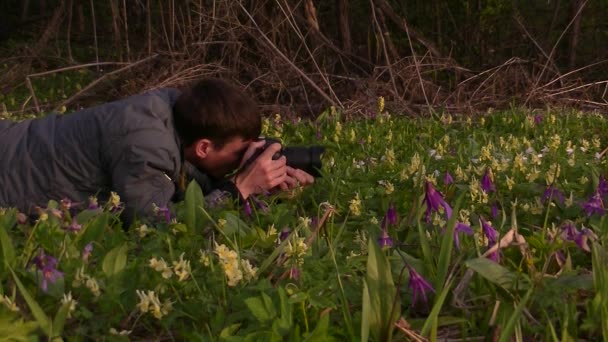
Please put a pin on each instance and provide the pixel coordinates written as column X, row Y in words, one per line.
column 507, row 332
column 260, row 309
column 366, row 313
column 193, row 202
column 59, row 321
column 15, row 329
column 384, row 307
column 41, row 317
column 234, row 225
column 321, row 331
column 7, row 221
column 229, row 330
column 433, row 320
column 498, row 274
column 115, row 261
column 447, row 244
column 93, row 230
column 285, row 322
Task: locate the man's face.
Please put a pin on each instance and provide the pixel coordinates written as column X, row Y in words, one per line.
column 221, row 161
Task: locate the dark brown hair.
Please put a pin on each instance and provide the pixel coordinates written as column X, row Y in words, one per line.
column 216, row 110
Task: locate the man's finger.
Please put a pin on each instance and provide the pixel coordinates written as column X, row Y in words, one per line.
column 270, row 151
column 301, row 176
column 251, row 150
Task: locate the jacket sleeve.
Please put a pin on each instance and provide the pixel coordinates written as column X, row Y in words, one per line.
column 142, row 173
column 216, row 191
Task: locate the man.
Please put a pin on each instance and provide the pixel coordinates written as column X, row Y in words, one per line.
column 145, row 148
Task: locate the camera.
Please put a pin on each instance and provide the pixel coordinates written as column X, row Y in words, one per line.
column 306, row 158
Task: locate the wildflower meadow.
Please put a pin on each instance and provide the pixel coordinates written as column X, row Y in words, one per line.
column 446, row 227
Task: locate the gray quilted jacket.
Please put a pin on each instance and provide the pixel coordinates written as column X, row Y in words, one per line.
column 128, row 146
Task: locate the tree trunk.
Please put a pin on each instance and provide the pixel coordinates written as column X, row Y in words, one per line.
column 347, row 44
column 576, row 28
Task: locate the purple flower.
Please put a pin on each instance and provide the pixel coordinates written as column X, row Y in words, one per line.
column 553, row 193
column 494, row 256
column 86, row 252
column 418, row 285
column 569, row 231
column 489, row 232
column 47, row 265
column 74, row 226
column 486, row 182
column 66, row 204
column 582, row 237
column 247, row 209
column 434, row 201
column 93, row 204
column 385, row 240
column 319, row 134
column 461, row 228
column 390, row 218
column 260, row 204
column 164, row 212
column 494, row 212
column 284, row 234
column 294, row 273
column 594, row 205
column 448, row 179
column 538, row 118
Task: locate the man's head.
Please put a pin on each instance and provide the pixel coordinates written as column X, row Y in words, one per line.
column 216, row 122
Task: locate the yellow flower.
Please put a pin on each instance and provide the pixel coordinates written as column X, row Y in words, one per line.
column 113, row 331
column 143, row 230
column 389, row 156
column 460, row 175
column 554, row 142
column 67, row 299
column 369, row 139
column 380, row 104
column 518, row 163
column 569, row 201
column 161, row 266
column 265, row 126
column 583, row 180
column 221, row 223
column 204, row 259
column 305, row 221
column 389, row 136
column 373, row 220
column 92, row 285
column 9, row 303
column 149, row 302
column 181, row 268
column 414, row 163
column 510, row 182
column 533, row 175
column 144, row 301
column 552, row 174
column 114, row 199
column 249, row 271
column 355, row 205
column 596, row 142
column 79, row 278
column 233, row 273
column 353, row 136
column 486, row 152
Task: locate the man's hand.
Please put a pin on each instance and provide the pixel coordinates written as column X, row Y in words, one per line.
column 263, row 173
column 296, row 178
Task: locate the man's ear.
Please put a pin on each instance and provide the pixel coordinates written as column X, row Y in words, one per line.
column 202, row 148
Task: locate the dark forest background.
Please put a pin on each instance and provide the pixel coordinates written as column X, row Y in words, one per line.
column 300, row 56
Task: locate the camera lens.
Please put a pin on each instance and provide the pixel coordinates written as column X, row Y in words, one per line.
column 305, row 158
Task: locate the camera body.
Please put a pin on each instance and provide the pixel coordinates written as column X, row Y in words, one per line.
column 306, row 158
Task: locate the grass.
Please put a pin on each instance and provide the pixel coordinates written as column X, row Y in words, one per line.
column 221, row 274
